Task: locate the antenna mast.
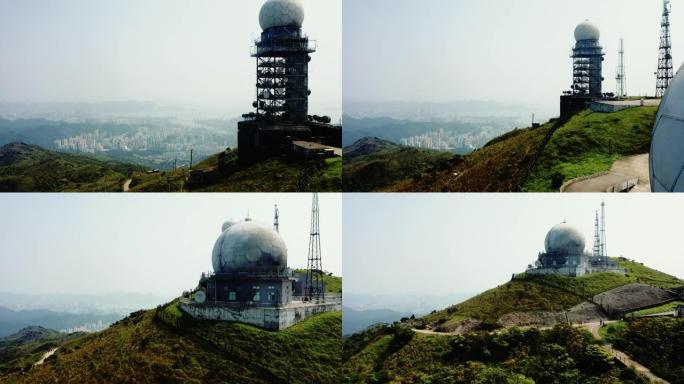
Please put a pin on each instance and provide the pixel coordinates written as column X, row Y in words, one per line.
column 665, row 71
column 276, row 219
column 597, row 237
column 604, row 248
column 314, row 282
column 620, row 77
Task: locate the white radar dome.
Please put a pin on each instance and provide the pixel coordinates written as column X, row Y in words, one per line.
column 249, row 247
column 564, row 239
column 281, row 13
column 587, row 31
column 667, row 143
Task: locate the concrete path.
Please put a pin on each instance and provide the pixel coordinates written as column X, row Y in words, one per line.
column 127, row 185
column 46, row 355
column 622, row 170
column 629, row 362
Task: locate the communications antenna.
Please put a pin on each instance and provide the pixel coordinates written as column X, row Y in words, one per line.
column 597, row 237
column 604, row 248
column 665, row 71
column 314, row 282
column 276, row 219
column 621, row 77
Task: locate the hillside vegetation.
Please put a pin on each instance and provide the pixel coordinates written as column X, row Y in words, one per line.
column 19, row 351
column 657, row 341
column 551, row 293
column 373, row 164
column 29, row 168
column 559, row 355
column 590, row 143
column 165, row 345
column 538, row 159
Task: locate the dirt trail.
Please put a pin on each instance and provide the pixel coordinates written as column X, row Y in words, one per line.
column 46, row 355
column 127, row 185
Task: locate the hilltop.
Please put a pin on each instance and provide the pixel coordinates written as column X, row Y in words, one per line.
column 518, row 333
column 28, row 168
column 166, row 345
column 536, row 159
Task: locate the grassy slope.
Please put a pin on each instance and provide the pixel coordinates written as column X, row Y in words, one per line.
column 548, row 293
column 27, row 168
column 561, row 355
column 142, row 348
column 590, row 143
column 391, row 167
column 273, row 175
column 19, row 355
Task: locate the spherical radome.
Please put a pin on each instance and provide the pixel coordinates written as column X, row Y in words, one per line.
column 227, row 225
column 249, row 247
column 667, row 143
column 281, row 13
column 587, row 31
column 564, row 238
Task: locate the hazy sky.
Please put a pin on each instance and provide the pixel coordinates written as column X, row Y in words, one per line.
column 158, row 50
column 159, row 243
column 454, row 243
column 511, row 51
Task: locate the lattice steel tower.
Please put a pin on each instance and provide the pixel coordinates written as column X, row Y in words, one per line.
column 314, row 282
column 282, row 63
column 665, row 70
column 620, row 76
column 587, row 61
column 597, row 238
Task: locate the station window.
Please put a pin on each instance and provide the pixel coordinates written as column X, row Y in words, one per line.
column 232, row 296
column 256, row 293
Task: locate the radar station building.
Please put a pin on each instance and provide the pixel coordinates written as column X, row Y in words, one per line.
column 251, row 282
column 587, row 70
column 564, row 252
column 281, row 120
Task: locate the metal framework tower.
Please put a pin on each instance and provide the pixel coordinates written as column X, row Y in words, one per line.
column 620, row 76
column 665, row 70
column 314, row 283
column 604, row 248
column 276, row 219
column 282, row 67
column 587, row 68
column 597, row 238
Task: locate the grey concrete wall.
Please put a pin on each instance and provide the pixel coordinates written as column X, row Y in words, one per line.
column 267, row 318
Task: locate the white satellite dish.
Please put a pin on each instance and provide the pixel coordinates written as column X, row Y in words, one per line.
column 200, row 297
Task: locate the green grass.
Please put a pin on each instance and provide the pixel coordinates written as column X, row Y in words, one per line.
column 613, row 331
column 560, row 355
column 550, row 293
column 28, row 168
column 379, row 165
column 670, row 307
column 590, row 143
column 143, row 348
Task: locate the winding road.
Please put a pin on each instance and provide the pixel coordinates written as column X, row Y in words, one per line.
column 127, row 185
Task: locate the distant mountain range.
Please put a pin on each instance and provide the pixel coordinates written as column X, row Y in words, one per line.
column 11, row 321
column 359, row 320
